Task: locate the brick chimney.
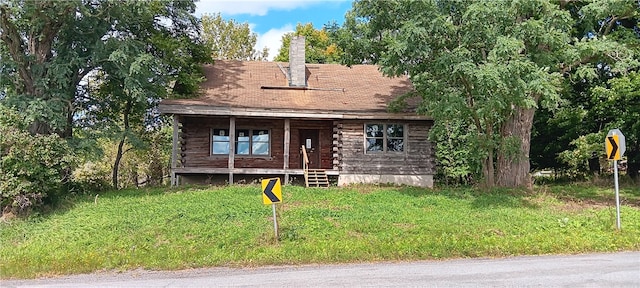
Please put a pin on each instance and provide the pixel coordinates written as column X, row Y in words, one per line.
column 297, row 70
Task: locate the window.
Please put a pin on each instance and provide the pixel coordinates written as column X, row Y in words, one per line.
column 220, row 141
column 243, row 142
column 260, row 142
column 395, row 137
column 248, row 142
column 384, row 138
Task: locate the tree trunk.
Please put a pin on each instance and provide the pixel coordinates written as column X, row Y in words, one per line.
column 120, row 152
column 488, row 170
column 116, row 164
column 40, row 127
column 513, row 168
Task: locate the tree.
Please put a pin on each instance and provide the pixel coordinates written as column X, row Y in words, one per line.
column 319, row 47
column 130, row 53
column 29, row 31
column 594, row 101
column 622, row 103
column 230, row 40
column 492, row 63
column 52, row 45
column 138, row 73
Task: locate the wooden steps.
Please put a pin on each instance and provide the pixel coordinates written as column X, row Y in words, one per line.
column 316, row 178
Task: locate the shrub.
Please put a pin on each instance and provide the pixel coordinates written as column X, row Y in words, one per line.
column 92, row 177
column 33, row 167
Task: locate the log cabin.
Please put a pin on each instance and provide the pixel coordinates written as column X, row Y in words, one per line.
column 318, row 122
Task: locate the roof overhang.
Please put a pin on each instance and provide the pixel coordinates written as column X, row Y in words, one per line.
column 203, row 110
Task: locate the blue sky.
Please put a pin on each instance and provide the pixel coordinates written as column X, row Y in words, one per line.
column 270, row 19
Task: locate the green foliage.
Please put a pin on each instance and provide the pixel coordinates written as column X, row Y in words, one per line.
column 618, row 107
column 230, row 40
column 71, row 41
column 319, row 45
column 595, row 100
column 33, row 167
column 229, row 226
column 482, row 61
column 621, row 103
column 146, row 165
column 91, row 177
column 98, row 65
column 456, row 152
column 584, row 148
column 36, row 82
column 490, row 63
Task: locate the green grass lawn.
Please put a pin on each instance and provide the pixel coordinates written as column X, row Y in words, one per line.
column 229, row 226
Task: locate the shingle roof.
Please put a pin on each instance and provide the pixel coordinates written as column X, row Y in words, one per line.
column 264, row 85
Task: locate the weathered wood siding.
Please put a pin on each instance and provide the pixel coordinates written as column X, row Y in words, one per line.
column 350, row 157
column 196, row 150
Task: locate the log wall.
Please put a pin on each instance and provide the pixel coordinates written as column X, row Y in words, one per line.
column 341, row 143
column 196, row 150
column 417, row 158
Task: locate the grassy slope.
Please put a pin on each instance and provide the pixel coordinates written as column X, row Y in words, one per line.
column 229, row 226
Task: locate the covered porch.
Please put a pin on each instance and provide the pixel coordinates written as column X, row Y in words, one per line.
column 213, row 147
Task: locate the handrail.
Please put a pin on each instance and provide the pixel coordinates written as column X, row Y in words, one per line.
column 305, row 161
column 305, row 165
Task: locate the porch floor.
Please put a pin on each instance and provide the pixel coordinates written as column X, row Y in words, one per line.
column 250, row 171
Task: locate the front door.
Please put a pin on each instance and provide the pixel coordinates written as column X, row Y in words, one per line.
column 309, row 139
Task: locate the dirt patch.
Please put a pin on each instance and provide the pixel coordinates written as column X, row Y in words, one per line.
column 572, row 204
column 7, row 217
column 405, row 226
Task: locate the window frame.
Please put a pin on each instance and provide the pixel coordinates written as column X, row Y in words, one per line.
column 213, row 141
column 252, row 142
column 235, row 142
column 385, row 137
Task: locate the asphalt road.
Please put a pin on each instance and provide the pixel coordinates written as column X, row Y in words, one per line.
column 589, row 270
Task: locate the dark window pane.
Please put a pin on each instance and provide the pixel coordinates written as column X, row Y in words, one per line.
column 374, row 144
column 395, row 130
column 375, row 130
column 395, row 145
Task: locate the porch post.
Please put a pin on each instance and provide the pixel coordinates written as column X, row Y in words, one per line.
column 232, row 147
column 174, row 152
column 287, row 138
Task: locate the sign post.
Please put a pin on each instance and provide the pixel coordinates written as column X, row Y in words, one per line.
column 272, row 194
column 615, row 147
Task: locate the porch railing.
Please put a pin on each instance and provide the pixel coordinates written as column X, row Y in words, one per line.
column 305, row 165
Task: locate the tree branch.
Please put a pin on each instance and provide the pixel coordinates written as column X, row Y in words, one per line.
column 467, row 88
column 566, row 69
column 608, row 26
column 10, row 35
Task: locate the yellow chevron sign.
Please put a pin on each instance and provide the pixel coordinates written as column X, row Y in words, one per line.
column 615, row 145
column 271, row 191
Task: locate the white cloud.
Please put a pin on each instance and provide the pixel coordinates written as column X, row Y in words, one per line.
column 273, row 39
column 251, row 7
